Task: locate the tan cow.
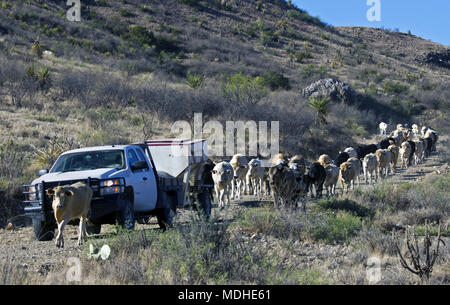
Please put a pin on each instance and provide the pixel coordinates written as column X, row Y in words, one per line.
column 395, row 152
column 418, row 153
column 71, row 202
column 405, row 152
column 383, row 161
column 324, row 160
column 347, row 176
column 279, row 159
column 240, row 167
column 298, row 164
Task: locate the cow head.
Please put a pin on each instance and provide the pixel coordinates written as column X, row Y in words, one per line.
column 221, row 172
column 240, row 170
column 61, row 195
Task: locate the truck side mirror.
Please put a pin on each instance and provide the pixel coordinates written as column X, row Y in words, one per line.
column 42, row 172
column 139, row 165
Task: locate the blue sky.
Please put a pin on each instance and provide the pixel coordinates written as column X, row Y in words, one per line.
column 429, row 19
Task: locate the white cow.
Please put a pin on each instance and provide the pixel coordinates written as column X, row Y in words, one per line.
column 331, row 179
column 415, row 131
column 351, row 152
column 370, row 164
column 222, row 175
column 383, row 127
column 255, row 177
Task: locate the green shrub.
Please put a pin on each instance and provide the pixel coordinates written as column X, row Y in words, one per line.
column 125, row 13
column 394, row 87
column 336, row 228
column 275, row 80
column 139, row 35
column 345, row 205
column 311, row 69
column 243, row 89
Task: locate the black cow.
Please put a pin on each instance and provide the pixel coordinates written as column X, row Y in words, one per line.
column 385, row 143
column 207, row 176
column 315, row 175
column 413, row 150
column 342, row 157
column 363, row 150
column 429, row 146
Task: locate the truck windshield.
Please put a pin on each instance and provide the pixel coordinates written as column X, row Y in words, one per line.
column 90, row 160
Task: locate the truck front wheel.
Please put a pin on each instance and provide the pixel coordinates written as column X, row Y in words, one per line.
column 42, row 230
column 204, row 198
column 165, row 215
column 126, row 217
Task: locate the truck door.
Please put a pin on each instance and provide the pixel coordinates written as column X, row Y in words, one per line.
column 143, row 182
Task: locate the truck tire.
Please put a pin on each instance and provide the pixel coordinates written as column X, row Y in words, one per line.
column 126, row 217
column 143, row 220
column 204, row 199
column 165, row 216
column 93, row 228
column 43, row 231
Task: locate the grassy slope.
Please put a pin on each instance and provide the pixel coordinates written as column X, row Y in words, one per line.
column 113, row 82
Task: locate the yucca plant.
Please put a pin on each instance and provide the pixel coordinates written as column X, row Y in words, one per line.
column 36, row 49
column 320, row 105
column 194, row 80
column 44, row 77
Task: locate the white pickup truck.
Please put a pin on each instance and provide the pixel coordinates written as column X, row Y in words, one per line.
column 130, row 183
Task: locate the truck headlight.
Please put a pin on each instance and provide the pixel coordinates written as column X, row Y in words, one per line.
column 112, row 186
column 32, row 193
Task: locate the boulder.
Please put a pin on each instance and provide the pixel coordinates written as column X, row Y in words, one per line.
column 334, row 89
column 440, row 59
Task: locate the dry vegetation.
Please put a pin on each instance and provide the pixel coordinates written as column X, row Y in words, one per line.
column 131, row 68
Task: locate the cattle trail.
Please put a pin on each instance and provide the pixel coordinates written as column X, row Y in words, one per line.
column 18, row 247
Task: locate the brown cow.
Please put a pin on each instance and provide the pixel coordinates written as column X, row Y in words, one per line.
column 71, row 202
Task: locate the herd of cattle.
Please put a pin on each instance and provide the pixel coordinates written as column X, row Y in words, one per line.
column 289, row 180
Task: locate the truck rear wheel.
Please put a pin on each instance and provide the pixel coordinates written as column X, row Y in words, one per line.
column 42, row 230
column 93, row 228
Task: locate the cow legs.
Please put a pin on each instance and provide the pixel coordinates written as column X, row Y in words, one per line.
column 82, row 234
column 233, row 188
column 59, row 238
column 222, row 199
